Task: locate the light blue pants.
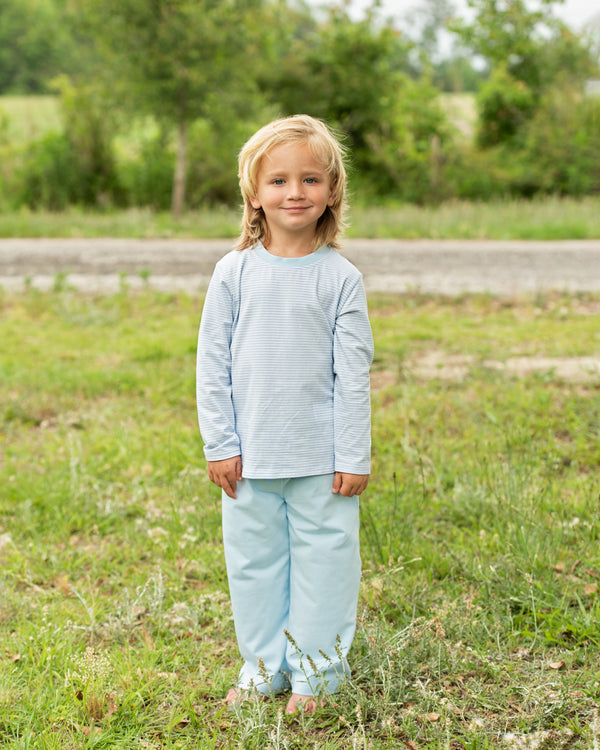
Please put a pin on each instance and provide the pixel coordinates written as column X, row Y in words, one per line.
column 293, row 564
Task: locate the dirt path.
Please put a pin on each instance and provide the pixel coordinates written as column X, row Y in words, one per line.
column 437, row 266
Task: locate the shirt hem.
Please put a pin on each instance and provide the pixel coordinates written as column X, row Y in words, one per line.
column 294, row 474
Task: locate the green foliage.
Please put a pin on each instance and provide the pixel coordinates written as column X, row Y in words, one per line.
column 146, row 173
column 35, row 45
column 505, row 105
column 353, row 75
column 181, row 55
column 562, row 145
column 527, row 53
column 530, row 44
column 50, row 177
column 160, row 96
column 75, row 166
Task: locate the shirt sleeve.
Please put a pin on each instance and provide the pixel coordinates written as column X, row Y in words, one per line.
column 216, row 416
column 352, row 357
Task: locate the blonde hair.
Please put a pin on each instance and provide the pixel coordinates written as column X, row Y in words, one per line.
column 325, row 148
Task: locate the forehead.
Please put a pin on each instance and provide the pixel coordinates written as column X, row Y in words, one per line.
column 293, row 155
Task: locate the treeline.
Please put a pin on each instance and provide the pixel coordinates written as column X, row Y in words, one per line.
column 158, row 95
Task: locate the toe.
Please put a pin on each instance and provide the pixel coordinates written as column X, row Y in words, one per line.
column 304, row 703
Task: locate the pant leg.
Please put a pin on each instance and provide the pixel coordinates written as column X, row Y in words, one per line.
column 325, row 575
column 256, row 542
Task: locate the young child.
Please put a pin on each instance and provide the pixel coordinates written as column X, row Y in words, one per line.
column 283, row 397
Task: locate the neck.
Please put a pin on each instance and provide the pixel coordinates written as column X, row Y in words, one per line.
column 290, row 247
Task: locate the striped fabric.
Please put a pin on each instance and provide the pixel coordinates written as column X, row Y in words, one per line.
column 284, row 351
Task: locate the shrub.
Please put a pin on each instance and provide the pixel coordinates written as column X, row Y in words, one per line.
column 504, row 104
column 147, row 174
column 562, row 145
column 48, row 175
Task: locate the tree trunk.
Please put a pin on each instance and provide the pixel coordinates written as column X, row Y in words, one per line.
column 179, row 180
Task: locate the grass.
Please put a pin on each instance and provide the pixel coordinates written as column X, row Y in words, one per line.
column 27, row 118
column 548, row 219
column 479, row 606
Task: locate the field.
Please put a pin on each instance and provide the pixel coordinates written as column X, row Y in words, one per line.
column 26, row 118
column 548, row 219
column 479, row 606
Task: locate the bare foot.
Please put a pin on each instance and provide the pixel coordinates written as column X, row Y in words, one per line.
column 235, row 696
column 307, row 704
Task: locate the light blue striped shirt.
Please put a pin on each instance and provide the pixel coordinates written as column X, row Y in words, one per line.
column 284, row 352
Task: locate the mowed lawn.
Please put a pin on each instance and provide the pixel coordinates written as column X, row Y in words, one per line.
column 479, row 610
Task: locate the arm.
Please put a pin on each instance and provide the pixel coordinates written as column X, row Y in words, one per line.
column 213, row 386
column 352, row 357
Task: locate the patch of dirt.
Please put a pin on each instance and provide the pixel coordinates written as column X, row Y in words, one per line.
column 570, row 369
column 436, row 364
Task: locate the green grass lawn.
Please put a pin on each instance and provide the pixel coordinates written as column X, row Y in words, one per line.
column 479, row 609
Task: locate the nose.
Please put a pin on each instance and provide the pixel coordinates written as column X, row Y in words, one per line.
column 296, row 189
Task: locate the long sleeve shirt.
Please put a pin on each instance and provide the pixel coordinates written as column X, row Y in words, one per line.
column 284, row 351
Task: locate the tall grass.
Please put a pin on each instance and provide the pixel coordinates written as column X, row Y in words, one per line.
column 549, row 219
column 479, row 605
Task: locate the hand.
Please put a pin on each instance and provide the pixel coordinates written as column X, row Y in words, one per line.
column 349, row 485
column 226, row 474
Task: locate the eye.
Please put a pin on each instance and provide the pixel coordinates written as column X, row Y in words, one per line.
column 311, row 180
column 278, row 181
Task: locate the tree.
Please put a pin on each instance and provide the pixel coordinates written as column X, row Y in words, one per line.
column 526, row 51
column 173, row 58
column 34, row 45
column 354, row 74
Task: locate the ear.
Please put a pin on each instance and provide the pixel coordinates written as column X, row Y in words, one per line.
column 255, row 203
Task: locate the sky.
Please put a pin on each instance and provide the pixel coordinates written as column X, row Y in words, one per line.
column 575, row 13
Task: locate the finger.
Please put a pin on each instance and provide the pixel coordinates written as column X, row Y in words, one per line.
column 337, row 483
column 229, row 486
column 361, row 488
column 350, row 489
column 239, row 470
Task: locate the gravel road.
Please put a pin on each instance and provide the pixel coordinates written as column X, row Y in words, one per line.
column 433, row 266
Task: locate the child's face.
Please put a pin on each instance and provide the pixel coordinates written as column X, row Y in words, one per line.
column 293, row 191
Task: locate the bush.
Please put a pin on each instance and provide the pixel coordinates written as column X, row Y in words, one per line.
column 147, row 174
column 505, row 105
column 475, row 175
column 75, row 166
column 48, row 175
column 562, row 145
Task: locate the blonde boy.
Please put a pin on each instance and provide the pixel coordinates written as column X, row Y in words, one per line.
column 284, row 352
